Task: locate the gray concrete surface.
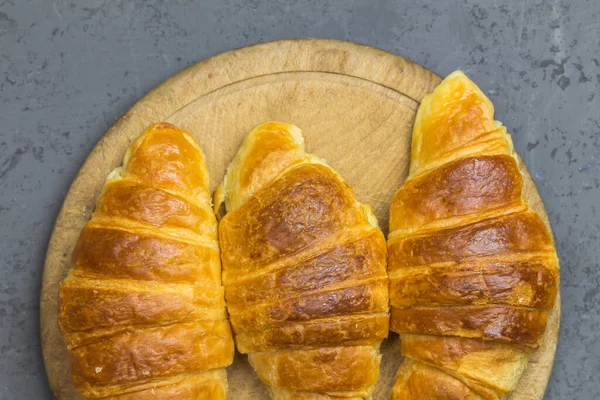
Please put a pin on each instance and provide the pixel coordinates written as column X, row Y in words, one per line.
column 70, row 68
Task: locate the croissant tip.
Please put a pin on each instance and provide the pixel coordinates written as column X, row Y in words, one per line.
column 161, row 125
column 292, row 129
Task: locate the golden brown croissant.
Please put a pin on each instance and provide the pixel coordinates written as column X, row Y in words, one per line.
column 142, row 310
column 473, row 271
column 303, row 269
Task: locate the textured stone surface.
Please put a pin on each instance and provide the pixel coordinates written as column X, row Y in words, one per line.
column 69, row 69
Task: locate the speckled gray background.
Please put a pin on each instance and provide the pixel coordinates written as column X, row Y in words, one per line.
column 69, row 70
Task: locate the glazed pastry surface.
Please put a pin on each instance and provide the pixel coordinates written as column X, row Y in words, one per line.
column 142, row 309
column 473, row 270
column 304, row 270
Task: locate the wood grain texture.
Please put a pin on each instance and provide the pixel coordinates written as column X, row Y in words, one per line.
column 356, row 106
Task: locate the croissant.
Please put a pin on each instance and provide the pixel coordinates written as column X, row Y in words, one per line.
column 304, row 270
column 473, row 270
column 142, row 309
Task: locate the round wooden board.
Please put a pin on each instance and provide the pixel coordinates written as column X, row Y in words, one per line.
column 356, row 106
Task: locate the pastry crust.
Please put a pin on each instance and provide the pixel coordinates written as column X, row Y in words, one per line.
column 142, row 310
column 473, row 271
column 304, row 270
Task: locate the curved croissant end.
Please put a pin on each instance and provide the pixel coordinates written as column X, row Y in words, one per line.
column 456, row 113
column 473, row 271
column 303, row 269
column 142, row 310
column 266, row 151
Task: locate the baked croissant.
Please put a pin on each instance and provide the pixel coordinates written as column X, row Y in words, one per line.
column 304, row 270
column 142, row 309
column 473, row 270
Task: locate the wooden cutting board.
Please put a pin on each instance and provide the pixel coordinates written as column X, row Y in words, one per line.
column 356, row 106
